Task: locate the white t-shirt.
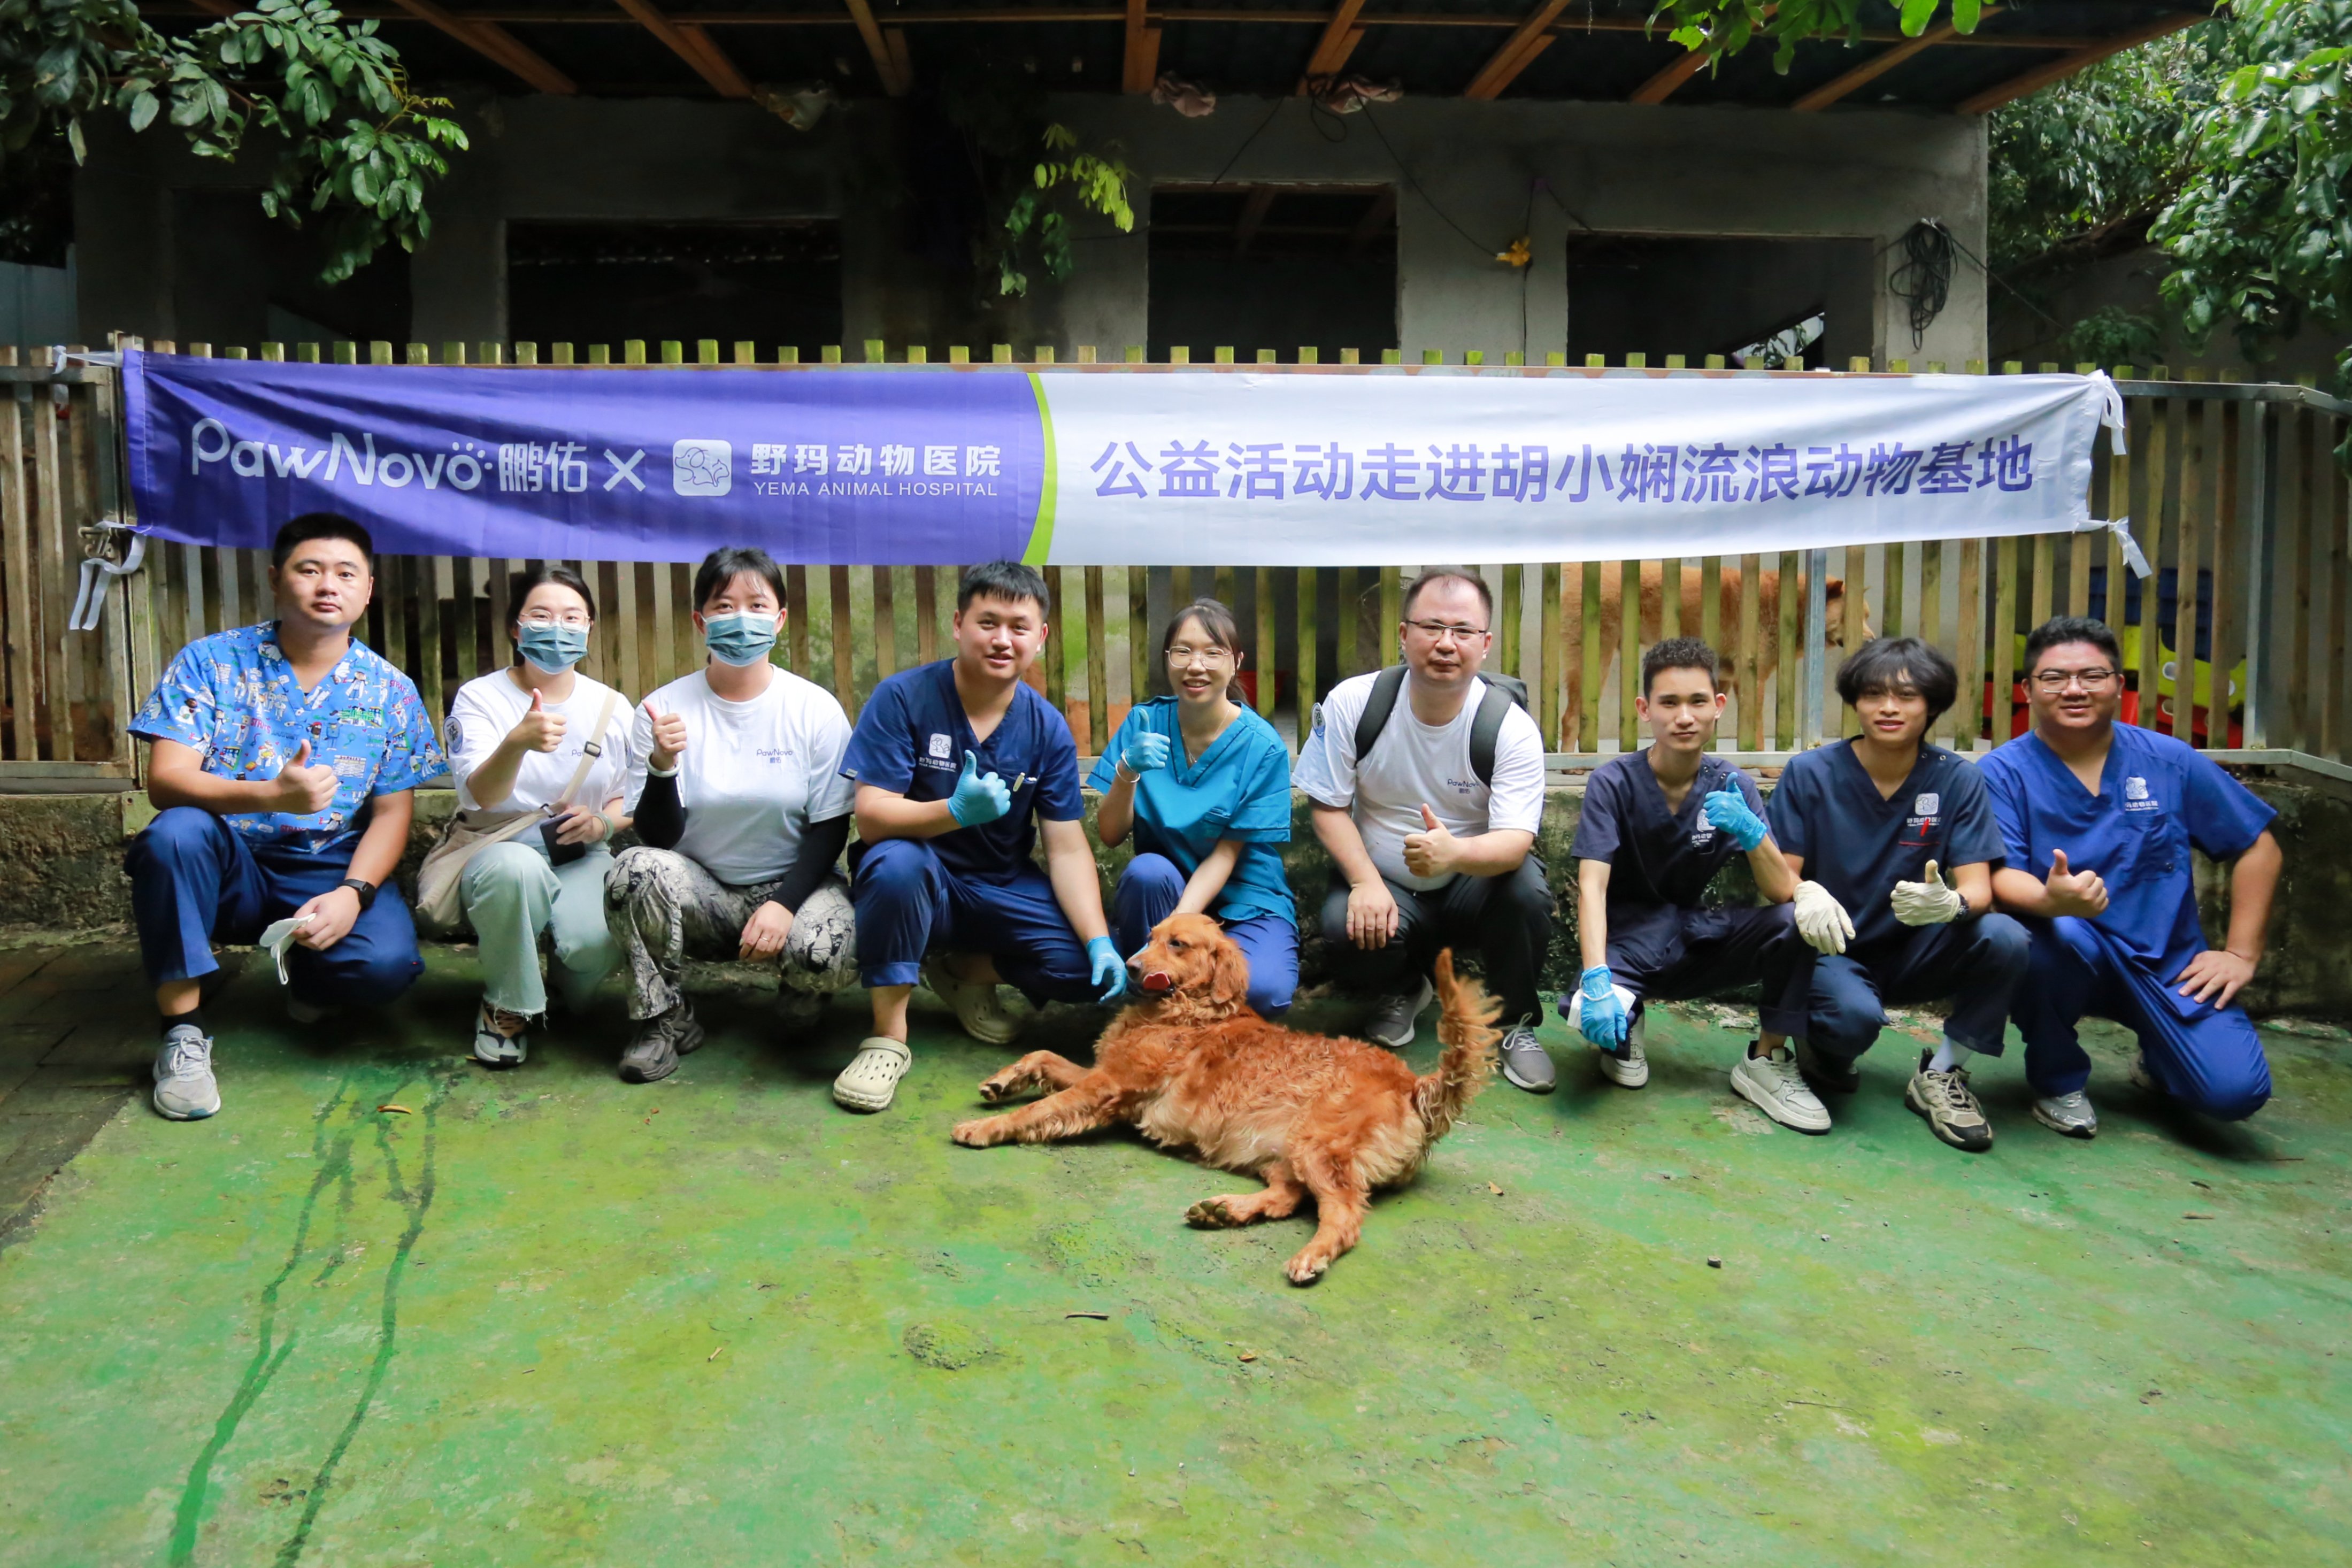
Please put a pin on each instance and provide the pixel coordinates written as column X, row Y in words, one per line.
column 1414, row 763
column 753, row 775
column 489, row 706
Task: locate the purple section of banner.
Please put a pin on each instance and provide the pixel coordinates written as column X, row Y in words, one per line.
column 823, row 466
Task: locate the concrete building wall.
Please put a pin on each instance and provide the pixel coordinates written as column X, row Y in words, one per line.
column 1468, row 176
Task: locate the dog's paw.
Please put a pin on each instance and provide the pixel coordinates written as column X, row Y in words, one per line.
column 994, row 1091
column 978, row 1134
column 1210, row 1214
column 1307, row 1265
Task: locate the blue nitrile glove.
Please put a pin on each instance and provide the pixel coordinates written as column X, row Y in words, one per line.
column 1729, row 809
column 1110, row 970
column 979, row 797
column 1598, row 1014
column 1145, row 753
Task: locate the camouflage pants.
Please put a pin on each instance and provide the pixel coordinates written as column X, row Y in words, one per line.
column 664, row 908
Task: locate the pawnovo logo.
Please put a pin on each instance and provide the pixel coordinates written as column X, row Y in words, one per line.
column 210, row 442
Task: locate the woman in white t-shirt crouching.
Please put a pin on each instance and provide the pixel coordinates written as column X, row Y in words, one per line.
column 517, row 737
column 735, row 787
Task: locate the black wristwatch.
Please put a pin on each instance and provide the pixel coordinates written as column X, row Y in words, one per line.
column 364, row 889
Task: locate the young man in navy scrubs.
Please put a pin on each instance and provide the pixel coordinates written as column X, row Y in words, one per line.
column 1876, row 826
column 283, row 765
column 1655, row 828
column 2098, row 819
column 958, row 764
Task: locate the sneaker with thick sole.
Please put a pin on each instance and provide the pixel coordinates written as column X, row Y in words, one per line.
column 659, row 1042
column 1632, row 1069
column 499, row 1038
column 2068, row 1113
column 1827, row 1074
column 185, row 1089
column 974, row 1003
column 1393, row 1018
column 1774, row 1085
column 1525, row 1061
column 1951, row 1110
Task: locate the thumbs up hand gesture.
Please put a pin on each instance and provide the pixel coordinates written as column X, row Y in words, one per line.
column 2079, row 893
column 1928, row 903
column 304, row 788
column 669, row 739
column 979, row 797
column 540, row 729
column 1434, row 851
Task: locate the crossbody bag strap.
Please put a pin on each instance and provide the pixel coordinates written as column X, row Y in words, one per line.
column 588, row 755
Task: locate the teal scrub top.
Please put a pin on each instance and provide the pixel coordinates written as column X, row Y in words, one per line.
column 1239, row 789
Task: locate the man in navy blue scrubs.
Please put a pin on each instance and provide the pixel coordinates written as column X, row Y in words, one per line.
column 957, row 765
column 1868, row 823
column 2099, row 819
column 1655, row 829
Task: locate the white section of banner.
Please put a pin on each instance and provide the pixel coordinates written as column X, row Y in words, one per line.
column 1316, row 469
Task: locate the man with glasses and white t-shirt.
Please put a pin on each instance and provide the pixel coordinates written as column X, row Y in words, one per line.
column 2098, row 818
column 1428, row 788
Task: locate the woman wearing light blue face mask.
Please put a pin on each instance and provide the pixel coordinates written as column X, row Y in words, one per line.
column 525, row 740
column 735, row 783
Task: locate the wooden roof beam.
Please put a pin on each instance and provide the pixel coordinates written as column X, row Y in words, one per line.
column 1878, row 66
column 1530, row 39
column 888, row 63
column 692, row 45
column 2059, row 70
column 489, row 40
column 1661, row 87
column 1142, row 67
column 1340, row 36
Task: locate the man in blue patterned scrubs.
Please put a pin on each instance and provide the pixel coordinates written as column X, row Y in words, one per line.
column 284, row 765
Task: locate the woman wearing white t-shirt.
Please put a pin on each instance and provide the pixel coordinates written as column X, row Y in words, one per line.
column 516, row 738
column 735, row 782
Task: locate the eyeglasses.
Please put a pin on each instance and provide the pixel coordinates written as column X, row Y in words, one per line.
column 1438, row 631
column 571, row 620
column 1182, row 654
column 2059, row 679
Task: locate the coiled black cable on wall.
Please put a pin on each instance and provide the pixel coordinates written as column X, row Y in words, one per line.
column 1924, row 279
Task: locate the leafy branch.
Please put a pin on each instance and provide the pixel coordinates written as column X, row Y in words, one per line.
column 1038, row 221
column 1720, row 28
column 354, row 144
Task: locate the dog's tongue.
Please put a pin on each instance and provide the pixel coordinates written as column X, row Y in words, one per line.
column 1159, row 980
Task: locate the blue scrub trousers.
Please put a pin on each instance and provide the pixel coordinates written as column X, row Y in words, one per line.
column 909, row 905
column 1980, row 963
column 1678, row 955
column 2207, row 1058
column 195, row 881
column 1148, row 891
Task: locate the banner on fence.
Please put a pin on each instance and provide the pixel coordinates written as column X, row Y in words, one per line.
column 916, row 465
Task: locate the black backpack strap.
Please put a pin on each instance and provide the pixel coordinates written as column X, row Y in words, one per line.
column 1377, row 709
column 1493, row 708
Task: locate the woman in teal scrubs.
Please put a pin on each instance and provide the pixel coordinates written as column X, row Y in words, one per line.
column 1204, row 785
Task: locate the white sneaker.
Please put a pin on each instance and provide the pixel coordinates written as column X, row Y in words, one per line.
column 1630, row 1070
column 185, row 1089
column 1773, row 1085
column 975, row 1005
column 2068, row 1113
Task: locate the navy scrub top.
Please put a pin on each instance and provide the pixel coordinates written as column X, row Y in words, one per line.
column 1857, row 844
column 1660, row 861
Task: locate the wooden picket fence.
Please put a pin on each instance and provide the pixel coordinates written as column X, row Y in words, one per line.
column 2232, row 488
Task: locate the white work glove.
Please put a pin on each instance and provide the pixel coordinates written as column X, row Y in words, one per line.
column 1822, row 920
column 1928, row 903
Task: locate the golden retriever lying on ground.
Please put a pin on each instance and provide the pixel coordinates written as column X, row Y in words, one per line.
column 1192, row 1066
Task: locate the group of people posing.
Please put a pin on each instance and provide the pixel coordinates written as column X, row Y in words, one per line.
column 2049, row 882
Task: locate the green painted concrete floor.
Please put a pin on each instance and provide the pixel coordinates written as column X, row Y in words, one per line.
column 550, row 1317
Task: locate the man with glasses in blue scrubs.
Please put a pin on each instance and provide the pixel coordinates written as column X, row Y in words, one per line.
column 2099, row 819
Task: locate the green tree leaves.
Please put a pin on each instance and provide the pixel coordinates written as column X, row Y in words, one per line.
column 354, row 145
column 1036, row 226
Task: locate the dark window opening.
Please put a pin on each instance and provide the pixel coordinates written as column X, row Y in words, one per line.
column 770, row 283
column 1273, row 267
column 1769, row 302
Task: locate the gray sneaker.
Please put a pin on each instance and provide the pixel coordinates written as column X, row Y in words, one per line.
column 499, row 1036
column 1951, row 1110
column 2068, row 1113
column 1392, row 1023
column 1835, row 1074
column 660, row 1041
column 1525, row 1061
column 185, row 1089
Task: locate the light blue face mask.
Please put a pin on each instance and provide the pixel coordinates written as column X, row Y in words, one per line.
column 740, row 638
column 553, row 649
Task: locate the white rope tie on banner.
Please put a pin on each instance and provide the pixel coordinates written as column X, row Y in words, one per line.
column 90, row 603
column 2112, row 415
column 2121, row 528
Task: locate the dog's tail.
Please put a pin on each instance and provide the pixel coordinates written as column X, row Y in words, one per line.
column 1465, row 1027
